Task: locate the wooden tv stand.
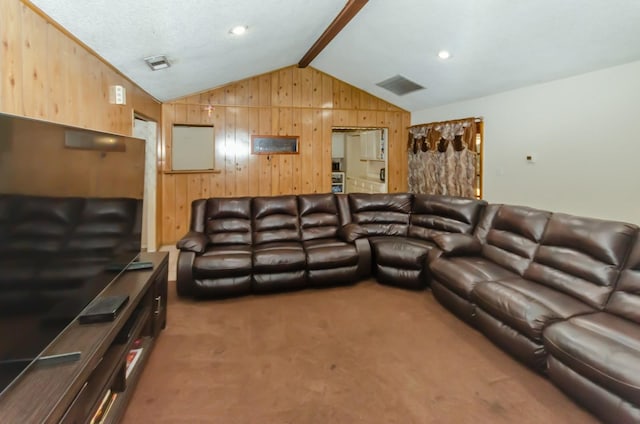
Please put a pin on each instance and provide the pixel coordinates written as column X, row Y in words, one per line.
column 71, row 390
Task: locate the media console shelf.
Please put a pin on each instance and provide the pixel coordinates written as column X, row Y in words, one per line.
column 74, row 391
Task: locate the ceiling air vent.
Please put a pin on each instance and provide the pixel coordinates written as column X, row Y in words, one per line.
column 400, row 85
column 157, row 62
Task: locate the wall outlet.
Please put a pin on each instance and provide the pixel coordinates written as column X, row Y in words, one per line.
column 117, row 95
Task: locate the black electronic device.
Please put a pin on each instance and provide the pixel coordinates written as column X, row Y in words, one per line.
column 103, row 309
column 71, row 203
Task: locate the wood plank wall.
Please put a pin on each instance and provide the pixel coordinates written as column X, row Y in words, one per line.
column 290, row 101
column 48, row 75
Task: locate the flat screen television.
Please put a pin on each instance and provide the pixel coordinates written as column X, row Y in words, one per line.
column 70, row 222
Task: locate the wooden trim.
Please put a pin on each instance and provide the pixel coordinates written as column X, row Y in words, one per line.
column 350, row 10
column 197, row 171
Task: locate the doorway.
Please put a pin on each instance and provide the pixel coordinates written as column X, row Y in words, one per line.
column 147, row 130
column 359, row 159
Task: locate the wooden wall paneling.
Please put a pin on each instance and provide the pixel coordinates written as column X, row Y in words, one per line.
column 242, row 92
column 252, row 160
column 317, row 97
column 340, row 118
column 146, row 105
column 365, row 118
column 194, row 113
column 72, row 89
column 264, row 161
column 296, row 87
column 284, row 93
column 296, row 160
column 264, row 91
column 57, row 68
column 253, row 97
column 397, row 151
column 230, row 150
column 183, row 205
column 327, row 129
column 194, row 189
column 242, row 150
column 306, row 151
column 306, row 87
column 168, row 210
column 94, row 92
column 403, row 184
column 11, row 60
column 34, row 64
column 327, row 91
column 217, row 182
column 286, row 116
column 180, row 112
column 317, row 150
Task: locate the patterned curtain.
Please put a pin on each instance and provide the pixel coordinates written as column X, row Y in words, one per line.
column 443, row 158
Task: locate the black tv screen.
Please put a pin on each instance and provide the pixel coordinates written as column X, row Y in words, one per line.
column 70, row 221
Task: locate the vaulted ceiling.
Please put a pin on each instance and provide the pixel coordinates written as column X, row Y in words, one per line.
column 495, row 45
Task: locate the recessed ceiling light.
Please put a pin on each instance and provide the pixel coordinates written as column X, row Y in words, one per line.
column 238, row 30
column 443, row 54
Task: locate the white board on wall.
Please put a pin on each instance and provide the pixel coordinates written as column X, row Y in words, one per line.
column 192, row 147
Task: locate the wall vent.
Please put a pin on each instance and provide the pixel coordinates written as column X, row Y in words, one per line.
column 400, row 85
column 157, row 62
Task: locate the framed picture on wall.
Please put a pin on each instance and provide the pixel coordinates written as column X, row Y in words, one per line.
column 274, row 144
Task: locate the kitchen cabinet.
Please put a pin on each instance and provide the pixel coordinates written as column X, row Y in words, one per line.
column 371, row 145
column 337, row 145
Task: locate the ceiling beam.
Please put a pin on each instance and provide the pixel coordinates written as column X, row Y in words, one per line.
column 350, row 10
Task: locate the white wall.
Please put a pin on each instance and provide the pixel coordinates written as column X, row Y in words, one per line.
column 584, row 132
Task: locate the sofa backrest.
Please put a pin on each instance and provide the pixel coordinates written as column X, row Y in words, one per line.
column 434, row 214
column 224, row 220
column 625, row 298
column 512, row 239
column 381, row 214
column 582, row 256
column 275, row 219
column 319, row 218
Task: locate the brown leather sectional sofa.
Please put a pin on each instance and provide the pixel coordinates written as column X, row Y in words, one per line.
column 561, row 293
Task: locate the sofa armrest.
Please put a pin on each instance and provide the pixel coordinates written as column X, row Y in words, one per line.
column 193, row 241
column 184, row 273
column 457, row 244
column 352, row 232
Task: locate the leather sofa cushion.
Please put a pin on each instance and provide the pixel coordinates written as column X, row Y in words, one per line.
column 582, row 256
column 526, row 306
column 279, row 257
column 461, row 274
column 625, row 299
column 275, row 219
column 318, row 216
column 227, row 220
column 514, row 236
column 434, row 214
column 381, row 214
column 601, row 347
column 330, row 253
column 223, row 261
column 401, row 252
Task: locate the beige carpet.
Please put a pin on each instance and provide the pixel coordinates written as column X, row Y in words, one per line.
column 360, row 354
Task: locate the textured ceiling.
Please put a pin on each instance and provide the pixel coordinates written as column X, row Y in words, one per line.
column 496, row 45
